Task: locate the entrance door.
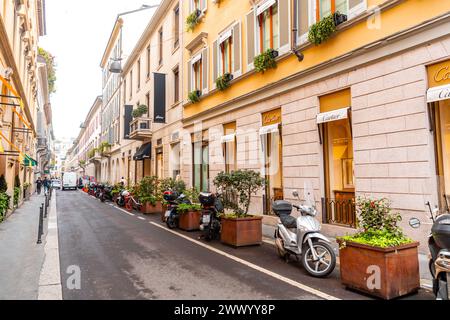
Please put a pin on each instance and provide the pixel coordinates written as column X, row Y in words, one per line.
column 160, row 163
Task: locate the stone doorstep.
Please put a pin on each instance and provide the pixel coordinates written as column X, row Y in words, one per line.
column 425, row 282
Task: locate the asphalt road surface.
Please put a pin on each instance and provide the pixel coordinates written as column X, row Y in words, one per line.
column 131, row 256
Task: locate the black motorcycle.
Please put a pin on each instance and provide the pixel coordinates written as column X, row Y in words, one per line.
column 212, row 207
column 99, row 190
column 174, row 199
column 123, row 197
column 439, row 245
column 106, row 193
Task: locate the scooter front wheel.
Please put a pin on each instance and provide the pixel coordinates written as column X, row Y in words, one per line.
column 171, row 224
column 326, row 262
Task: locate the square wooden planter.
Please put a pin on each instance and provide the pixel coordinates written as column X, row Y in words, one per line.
column 190, row 221
column 396, row 269
column 151, row 209
column 242, row 232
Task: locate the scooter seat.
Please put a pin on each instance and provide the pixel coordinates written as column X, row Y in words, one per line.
column 289, row 221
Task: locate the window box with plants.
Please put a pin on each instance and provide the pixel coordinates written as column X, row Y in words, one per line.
column 149, row 195
column 223, row 82
column 190, row 215
column 239, row 228
column 266, row 61
column 194, row 96
column 193, row 20
column 325, row 28
column 379, row 260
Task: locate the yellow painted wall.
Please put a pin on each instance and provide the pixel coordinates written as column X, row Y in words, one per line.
column 403, row 16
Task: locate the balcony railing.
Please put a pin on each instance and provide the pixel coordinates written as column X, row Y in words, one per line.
column 141, row 129
column 339, row 212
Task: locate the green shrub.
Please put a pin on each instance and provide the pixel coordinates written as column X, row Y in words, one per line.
column 140, row 111
column 243, row 183
column 265, row 61
column 194, row 96
column 3, row 184
column 223, row 82
column 16, row 196
column 178, row 186
column 184, row 208
column 322, row 30
column 4, row 205
column 379, row 226
column 149, row 191
column 193, row 20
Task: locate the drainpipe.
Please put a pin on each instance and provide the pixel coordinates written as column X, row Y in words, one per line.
column 294, row 21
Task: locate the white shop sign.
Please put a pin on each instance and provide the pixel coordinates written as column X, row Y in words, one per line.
column 438, row 93
column 335, row 115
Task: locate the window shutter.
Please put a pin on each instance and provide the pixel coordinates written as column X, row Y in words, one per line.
column 237, row 63
column 189, row 73
column 356, row 7
column 215, row 63
column 284, row 25
column 250, row 20
column 205, row 70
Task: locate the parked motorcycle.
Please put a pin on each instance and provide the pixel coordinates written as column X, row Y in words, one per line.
column 92, row 189
column 106, row 194
column 439, row 245
column 122, row 199
column 99, row 190
column 212, row 207
column 174, row 199
column 301, row 237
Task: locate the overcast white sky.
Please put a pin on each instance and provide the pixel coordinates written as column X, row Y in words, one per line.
column 77, row 33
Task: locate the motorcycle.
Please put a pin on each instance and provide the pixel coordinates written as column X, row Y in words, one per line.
column 301, row 237
column 212, row 207
column 123, row 198
column 106, row 194
column 173, row 199
column 439, row 245
column 92, row 189
column 99, row 190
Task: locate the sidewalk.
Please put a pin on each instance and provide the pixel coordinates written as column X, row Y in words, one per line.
column 425, row 276
column 21, row 258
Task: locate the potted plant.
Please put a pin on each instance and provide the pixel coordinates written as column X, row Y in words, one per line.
column 176, row 185
column 190, row 215
column 379, row 260
column 193, row 20
column 322, row 30
column 149, row 196
column 266, row 61
column 116, row 191
column 194, row 96
column 140, row 111
column 223, row 82
column 239, row 228
column 4, row 205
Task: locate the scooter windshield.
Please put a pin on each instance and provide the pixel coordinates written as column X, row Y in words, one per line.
column 309, row 197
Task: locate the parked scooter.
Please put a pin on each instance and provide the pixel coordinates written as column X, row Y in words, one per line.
column 174, row 199
column 301, row 237
column 122, row 199
column 106, row 194
column 439, row 245
column 212, row 207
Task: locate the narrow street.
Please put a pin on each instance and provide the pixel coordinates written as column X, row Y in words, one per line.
column 127, row 256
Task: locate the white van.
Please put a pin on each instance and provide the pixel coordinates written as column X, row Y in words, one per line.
column 69, row 181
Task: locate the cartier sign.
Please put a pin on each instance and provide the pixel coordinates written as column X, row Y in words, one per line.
column 442, row 74
column 438, row 93
column 439, row 74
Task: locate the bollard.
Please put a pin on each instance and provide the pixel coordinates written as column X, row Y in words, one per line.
column 46, row 207
column 41, row 224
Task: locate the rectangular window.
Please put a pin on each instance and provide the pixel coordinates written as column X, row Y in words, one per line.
column 160, row 163
column 226, row 54
column 148, row 62
column 175, row 160
column 230, row 147
column 268, row 27
column 139, row 74
column 197, row 72
column 201, row 165
column 147, row 101
column 176, row 85
column 351, row 8
column 176, row 36
column 160, row 45
column 131, row 84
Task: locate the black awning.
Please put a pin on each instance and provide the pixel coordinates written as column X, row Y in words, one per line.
column 144, row 152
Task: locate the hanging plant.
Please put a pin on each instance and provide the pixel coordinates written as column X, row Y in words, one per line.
column 193, row 20
column 194, row 96
column 223, row 82
column 140, row 111
column 322, row 30
column 266, row 61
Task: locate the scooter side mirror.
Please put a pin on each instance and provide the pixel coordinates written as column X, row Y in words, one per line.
column 414, row 223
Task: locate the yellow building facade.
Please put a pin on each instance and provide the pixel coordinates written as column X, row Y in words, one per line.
column 354, row 115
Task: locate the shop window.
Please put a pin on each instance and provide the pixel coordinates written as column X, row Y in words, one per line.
column 272, row 156
column 336, row 136
column 230, row 147
column 159, row 163
column 175, row 161
column 201, row 163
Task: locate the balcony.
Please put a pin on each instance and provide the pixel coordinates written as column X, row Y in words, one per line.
column 42, row 143
column 94, row 156
column 141, row 129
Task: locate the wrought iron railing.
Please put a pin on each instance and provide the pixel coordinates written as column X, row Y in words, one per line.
column 339, row 212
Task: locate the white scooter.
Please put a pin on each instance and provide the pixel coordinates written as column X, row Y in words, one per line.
column 301, row 237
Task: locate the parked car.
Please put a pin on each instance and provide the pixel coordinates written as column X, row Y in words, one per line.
column 56, row 184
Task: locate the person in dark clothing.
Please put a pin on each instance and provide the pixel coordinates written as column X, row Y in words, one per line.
column 39, row 185
column 46, row 184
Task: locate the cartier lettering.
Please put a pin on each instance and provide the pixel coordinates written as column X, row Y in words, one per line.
column 442, row 75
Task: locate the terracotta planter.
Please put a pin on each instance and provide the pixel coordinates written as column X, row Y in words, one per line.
column 151, row 209
column 398, row 269
column 190, row 221
column 242, row 232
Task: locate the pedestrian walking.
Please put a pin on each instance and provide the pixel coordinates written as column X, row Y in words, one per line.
column 46, row 185
column 39, row 185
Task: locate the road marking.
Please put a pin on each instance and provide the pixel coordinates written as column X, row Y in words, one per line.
column 128, row 213
column 140, row 218
column 253, row 266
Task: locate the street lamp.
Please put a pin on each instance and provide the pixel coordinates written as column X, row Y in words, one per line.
column 116, row 64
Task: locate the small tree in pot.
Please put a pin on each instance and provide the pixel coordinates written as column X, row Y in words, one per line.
column 149, row 195
column 239, row 228
column 381, row 244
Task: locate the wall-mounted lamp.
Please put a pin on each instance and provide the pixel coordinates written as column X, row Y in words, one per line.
column 115, row 66
column 299, row 54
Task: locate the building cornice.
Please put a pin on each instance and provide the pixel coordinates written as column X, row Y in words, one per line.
column 112, row 40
